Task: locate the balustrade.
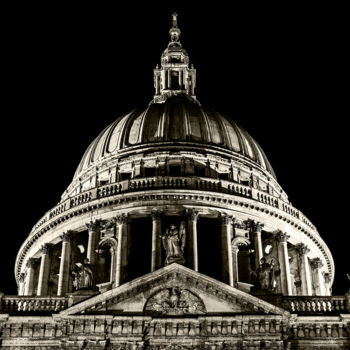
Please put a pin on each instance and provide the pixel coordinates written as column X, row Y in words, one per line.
column 195, row 183
column 14, row 304
column 315, row 304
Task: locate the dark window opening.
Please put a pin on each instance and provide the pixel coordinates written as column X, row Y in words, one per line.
column 140, row 248
column 125, row 176
column 103, row 182
column 175, row 81
column 209, row 247
column 199, row 171
column 223, row 176
column 149, row 172
column 175, row 170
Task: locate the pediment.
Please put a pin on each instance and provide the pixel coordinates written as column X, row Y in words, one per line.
column 174, row 290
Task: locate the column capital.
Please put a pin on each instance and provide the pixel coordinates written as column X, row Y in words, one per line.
column 122, row 219
column 192, row 214
column 303, row 249
column 226, row 219
column 256, row 226
column 93, row 225
column 45, row 249
column 66, row 236
column 22, row 277
column 30, row 263
column 282, row 236
column 156, row 214
column 316, row 263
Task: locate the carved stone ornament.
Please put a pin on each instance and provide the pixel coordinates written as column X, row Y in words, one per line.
column 256, row 226
column 45, row 249
column 30, row 263
column 93, row 225
column 226, row 220
column 66, row 237
column 192, row 214
column 282, row 236
column 303, row 249
column 316, row 263
column 156, row 214
column 174, row 301
column 122, row 219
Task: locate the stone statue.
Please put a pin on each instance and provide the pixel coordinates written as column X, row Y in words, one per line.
column 174, row 242
column 82, row 276
column 265, row 275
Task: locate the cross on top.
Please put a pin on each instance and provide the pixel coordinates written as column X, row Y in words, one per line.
column 174, row 19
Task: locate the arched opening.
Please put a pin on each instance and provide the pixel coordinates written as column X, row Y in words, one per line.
column 106, row 262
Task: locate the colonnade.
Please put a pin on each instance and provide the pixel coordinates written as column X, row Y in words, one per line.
column 311, row 275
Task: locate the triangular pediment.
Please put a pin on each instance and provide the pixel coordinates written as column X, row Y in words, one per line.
column 174, row 290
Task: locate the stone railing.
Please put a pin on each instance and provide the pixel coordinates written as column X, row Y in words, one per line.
column 18, row 304
column 172, row 182
column 315, row 304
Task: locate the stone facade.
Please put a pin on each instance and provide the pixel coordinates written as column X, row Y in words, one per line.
column 174, row 234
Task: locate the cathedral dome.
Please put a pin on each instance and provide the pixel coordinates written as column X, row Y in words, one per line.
column 179, row 122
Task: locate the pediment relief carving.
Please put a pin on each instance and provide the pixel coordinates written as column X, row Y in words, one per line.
column 174, row 301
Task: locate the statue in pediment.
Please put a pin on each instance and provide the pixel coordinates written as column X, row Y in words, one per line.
column 174, row 241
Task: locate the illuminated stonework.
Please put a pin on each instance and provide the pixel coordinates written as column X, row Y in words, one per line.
column 174, row 234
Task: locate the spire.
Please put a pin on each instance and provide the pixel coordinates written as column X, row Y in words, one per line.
column 174, row 77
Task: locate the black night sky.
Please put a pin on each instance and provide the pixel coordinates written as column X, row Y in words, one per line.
column 281, row 73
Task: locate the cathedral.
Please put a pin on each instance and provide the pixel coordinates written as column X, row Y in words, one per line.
column 174, row 234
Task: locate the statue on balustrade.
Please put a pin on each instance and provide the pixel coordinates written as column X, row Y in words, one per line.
column 82, row 276
column 174, row 241
column 265, row 275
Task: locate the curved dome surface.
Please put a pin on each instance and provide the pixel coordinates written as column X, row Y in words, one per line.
column 179, row 120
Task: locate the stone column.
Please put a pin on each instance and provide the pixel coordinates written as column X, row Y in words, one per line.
column 327, row 282
column 283, row 256
column 113, row 262
column 316, row 265
column 29, row 284
column 235, row 251
column 192, row 241
column 306, row 286
column 169, row 79
column 21, row 283
column 44, row 272
column 63, row 278
column 258, row 250
column 156, row 262
column 122, row 249
column 93, row 230
column 226, row 249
